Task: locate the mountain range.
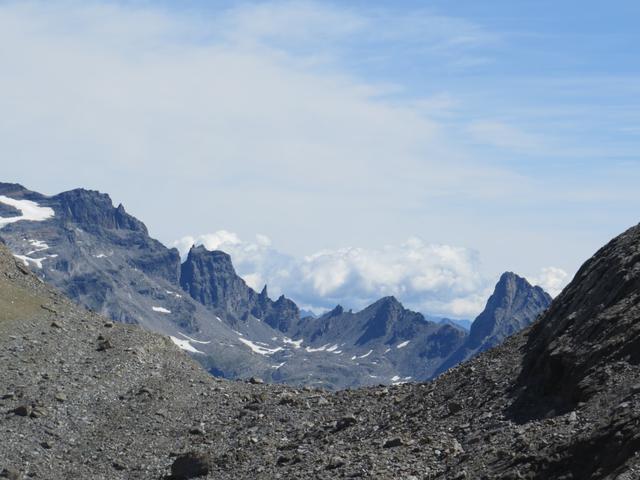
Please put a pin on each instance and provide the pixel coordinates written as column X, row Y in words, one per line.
column 104, row 259
column 84, row 397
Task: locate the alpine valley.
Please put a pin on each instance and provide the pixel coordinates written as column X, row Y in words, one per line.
column 84, row 397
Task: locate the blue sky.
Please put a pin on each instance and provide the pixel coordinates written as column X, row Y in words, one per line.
column 455, row 139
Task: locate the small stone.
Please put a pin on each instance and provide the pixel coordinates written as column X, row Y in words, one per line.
column 345, row 422
column 118, row 466
column 108, row 325
column 55, row 324
column 10, row 473
column 256, row 381
column 335, row 462
column 287, row 399
column 190, row 465
column 104, row 345
column 8, row 396
column 573, row 417
column 393, row 442
column 61, row 397
column 456, row 448
column 38, row 412
column 454, row 407
column 22, row 268
column 46, row 445
column 22, row 410
column 197, row 431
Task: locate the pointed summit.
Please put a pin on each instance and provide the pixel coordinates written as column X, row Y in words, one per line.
column 514, row 305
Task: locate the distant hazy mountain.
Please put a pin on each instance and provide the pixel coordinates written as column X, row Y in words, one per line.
column 104, row 258
column 462, row 323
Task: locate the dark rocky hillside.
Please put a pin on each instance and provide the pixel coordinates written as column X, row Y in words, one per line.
column 86, row 398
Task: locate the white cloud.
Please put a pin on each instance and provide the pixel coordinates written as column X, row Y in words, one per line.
column 226, row 108
column 435, row 279
column 551, row 279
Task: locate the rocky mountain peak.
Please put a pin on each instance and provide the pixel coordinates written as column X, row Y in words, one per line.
column 210, row 278
column 389, row 304
column 513, row 305
column 93, row 210
column 14, row 190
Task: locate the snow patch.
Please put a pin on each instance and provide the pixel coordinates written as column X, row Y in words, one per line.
column 258, row 349
column 160, row 310
column 185, row 345
column 30, row 211
column 333, row 348
column 366, row 354
column 296, row 343
column 319, row 349
column 31, row 261
column 101, row 255
column 38, row 246
column 395, row 378
column 194, row 340
column 278, row 366
column 403, row 344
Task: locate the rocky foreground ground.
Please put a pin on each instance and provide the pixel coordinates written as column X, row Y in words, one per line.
column 83, row 398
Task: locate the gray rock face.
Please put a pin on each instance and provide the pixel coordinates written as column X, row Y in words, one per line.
column 143, row 409
column 514, row 305
column 209, row 277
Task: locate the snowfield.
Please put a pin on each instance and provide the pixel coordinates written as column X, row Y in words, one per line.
column 258, row 349
column 185, row 345
column 30, row 211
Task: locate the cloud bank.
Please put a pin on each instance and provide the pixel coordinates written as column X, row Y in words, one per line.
column 434, row 279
